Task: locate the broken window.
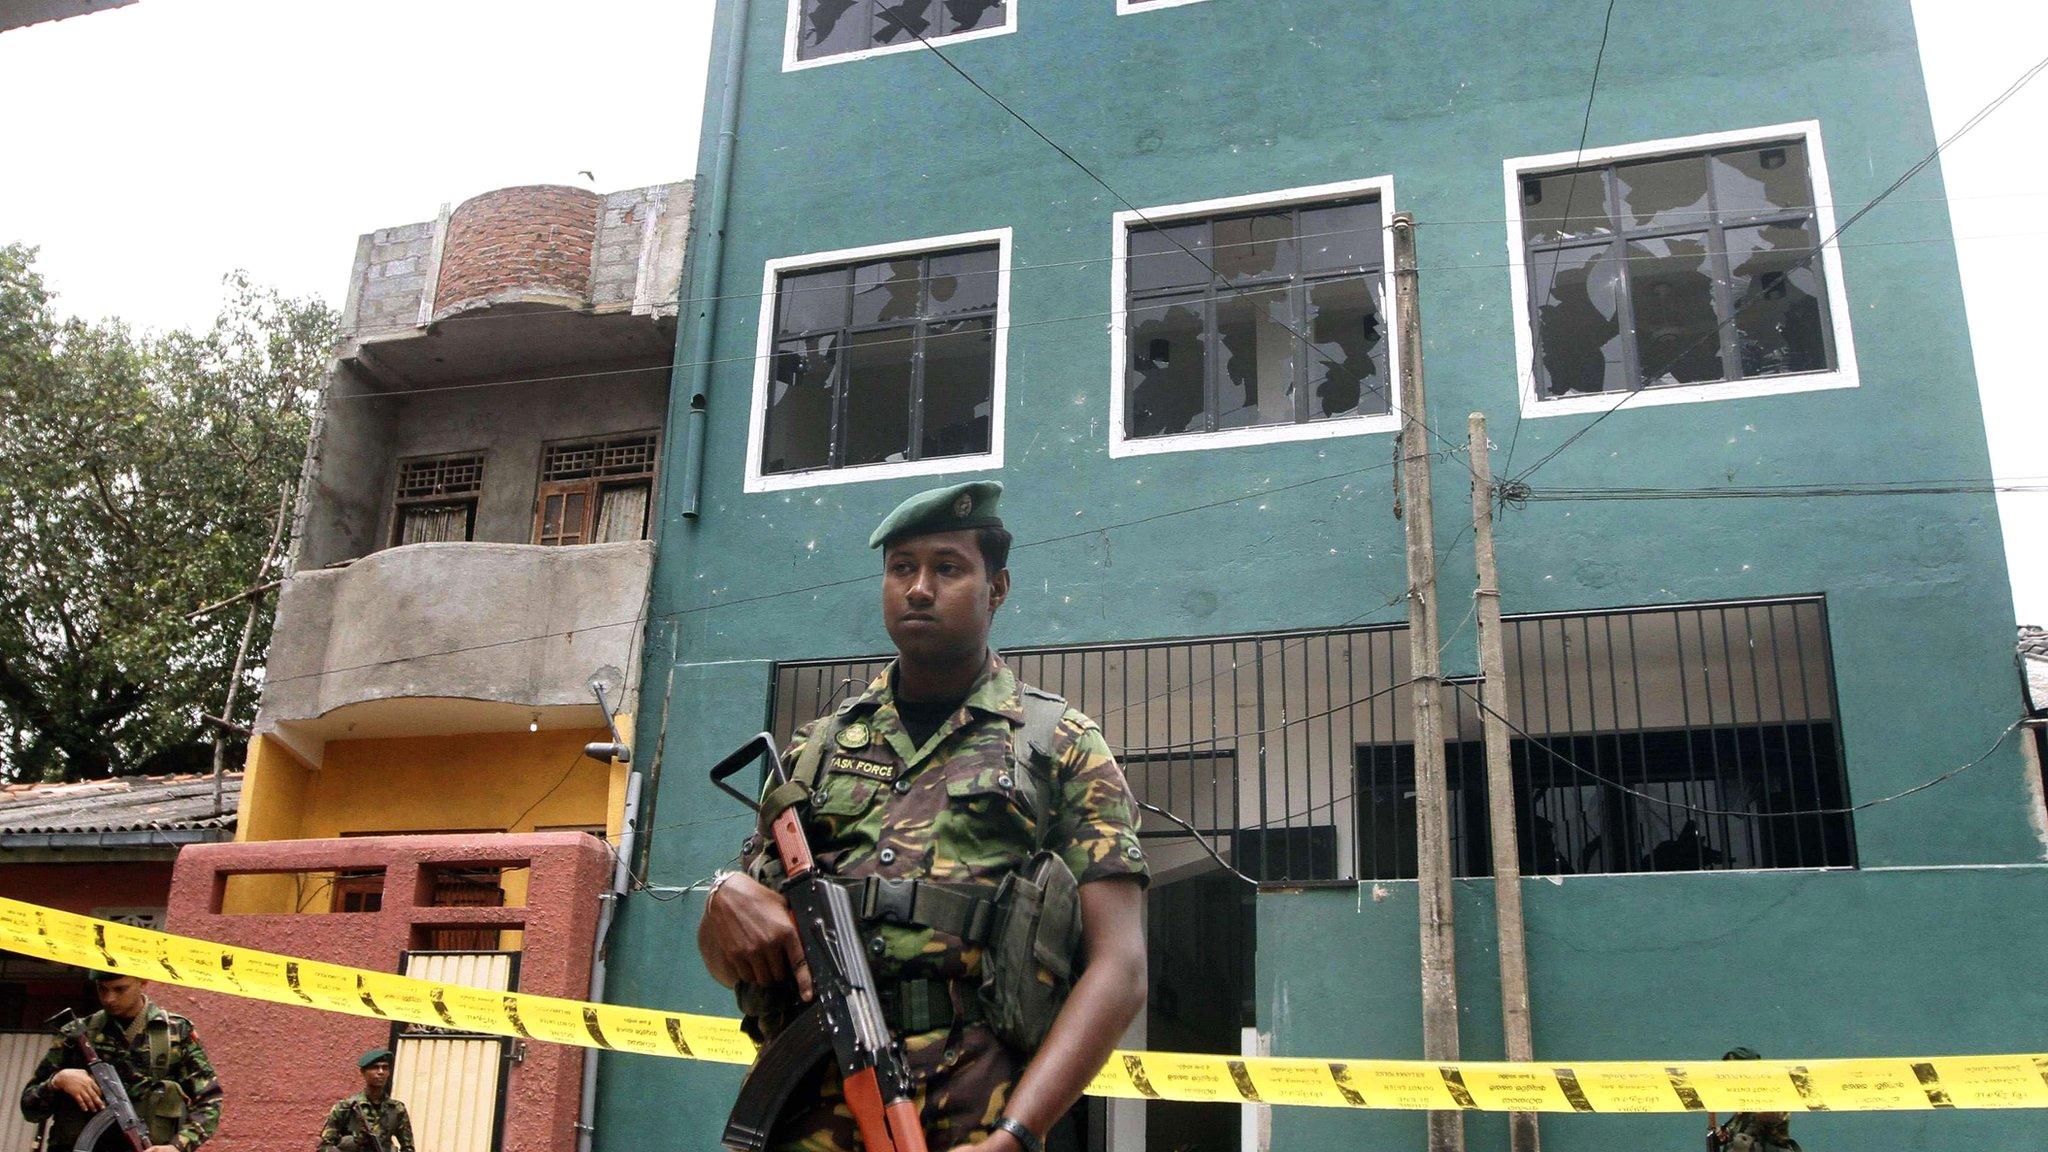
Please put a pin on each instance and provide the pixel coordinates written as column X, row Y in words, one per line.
column 837, row 27
column 1256, row 320
column 436, row 498
column 1688, row 269
column 595, row 491
column 883, row 362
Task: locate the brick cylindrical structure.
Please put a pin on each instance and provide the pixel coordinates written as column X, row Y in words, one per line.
column 527, row 243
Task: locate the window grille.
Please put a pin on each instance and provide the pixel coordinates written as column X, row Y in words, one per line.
column 1290, row 752
column 582, row 459
column 1685, row 268
column 441, row 476
column 595, row 491
column 436, row 498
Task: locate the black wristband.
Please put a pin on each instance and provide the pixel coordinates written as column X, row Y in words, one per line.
column 1026, row 1139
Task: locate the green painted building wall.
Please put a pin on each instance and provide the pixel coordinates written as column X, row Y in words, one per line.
column 1928, row 947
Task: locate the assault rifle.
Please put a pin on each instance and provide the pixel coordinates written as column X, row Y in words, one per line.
column 844, row 1018
column 119, row 1110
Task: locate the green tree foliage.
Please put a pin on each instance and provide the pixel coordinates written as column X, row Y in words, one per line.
column 139, row 478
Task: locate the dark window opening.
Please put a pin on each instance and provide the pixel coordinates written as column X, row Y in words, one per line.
column 837, row 27
column 1688, row 269
column 1255, row 320
column 883, row 362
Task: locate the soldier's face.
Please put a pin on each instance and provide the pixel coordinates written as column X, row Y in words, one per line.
column 121, row 997
column 377, row 1077
column 938, row 597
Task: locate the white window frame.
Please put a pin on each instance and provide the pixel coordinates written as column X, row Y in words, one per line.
column 794, row 29
column 1121, row 445
column 1133, row 7
column 1843, row 375
column 764, row 361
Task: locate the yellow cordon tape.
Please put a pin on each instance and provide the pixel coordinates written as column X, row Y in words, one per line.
column 1886, row 1084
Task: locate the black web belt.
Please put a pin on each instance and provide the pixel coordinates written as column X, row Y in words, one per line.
column 959, row 910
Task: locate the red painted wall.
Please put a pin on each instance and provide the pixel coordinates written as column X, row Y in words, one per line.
column 283, row 1066
column 81, row 888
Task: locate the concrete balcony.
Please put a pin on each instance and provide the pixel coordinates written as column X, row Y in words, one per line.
column 436, row 639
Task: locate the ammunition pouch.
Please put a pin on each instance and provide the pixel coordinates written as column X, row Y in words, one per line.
column 1031, row 960
column 163, row 1107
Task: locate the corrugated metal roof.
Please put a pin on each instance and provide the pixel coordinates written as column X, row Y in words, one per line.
column 123, row 804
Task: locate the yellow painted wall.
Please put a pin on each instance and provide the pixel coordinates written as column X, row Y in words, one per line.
column 489, row 781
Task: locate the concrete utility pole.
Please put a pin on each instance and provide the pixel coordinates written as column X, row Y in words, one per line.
column 1432, row 809
column 227, row 709
column 1500, row 782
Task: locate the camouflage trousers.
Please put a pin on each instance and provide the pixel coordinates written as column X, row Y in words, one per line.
column 962, row 1090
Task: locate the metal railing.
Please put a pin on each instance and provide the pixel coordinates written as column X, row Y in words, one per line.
column 1649, row 739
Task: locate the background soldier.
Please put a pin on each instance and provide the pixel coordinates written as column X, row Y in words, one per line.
column 162, row 1065
column 1752, row 1131
column 919, row 802
column 370, row 1120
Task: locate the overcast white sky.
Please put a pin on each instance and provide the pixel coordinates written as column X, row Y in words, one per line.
column 153, row 148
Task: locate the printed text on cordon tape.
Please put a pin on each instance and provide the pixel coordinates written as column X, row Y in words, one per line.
column 1892, row 1084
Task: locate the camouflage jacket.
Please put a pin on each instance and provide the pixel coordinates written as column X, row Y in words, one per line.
column 358, row 1124
column 1759, row 1132
column 955, row 811
column 187, row 1073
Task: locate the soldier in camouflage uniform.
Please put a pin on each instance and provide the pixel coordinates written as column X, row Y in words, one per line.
column 162, row 1065
column 919, row 783
column 1753, row 1131
column 370, row 1120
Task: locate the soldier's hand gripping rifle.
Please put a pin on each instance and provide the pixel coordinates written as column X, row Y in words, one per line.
column 119, row 1110
column 844, row 1018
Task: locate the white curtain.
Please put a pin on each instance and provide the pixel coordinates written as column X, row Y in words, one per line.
column 437, row 522
column 622, row 514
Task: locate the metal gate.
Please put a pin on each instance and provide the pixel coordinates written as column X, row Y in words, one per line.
column 453, row 1082
column 20, row 1052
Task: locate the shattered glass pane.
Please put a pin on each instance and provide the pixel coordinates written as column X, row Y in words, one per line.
column 1671, row 289
column 1165, row 379
column 1253, row 247
column 959, row 379
column 1564, row 205
column 970, row 15
column 1347, row 359
column 1347, row 236
column 886, row 290
column 962, row 282
column 799, row 434
column 811, row 301
column 877, row 412
column 1767, row 178
column 1578, row 320
column 1157, row 259
column 1780, row 317
column 1663, row 193
column 1255, row 359
column 831, row 27
column 902, row 21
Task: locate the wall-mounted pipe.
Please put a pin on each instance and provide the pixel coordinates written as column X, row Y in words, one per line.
column 707, row 253
column 622, row 876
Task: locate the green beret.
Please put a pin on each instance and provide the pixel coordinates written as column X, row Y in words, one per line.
column 1741, row 1054
column 373, row 1056
column 970, row 505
